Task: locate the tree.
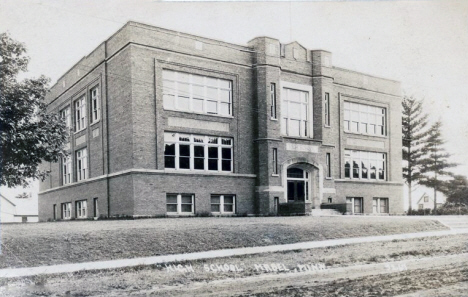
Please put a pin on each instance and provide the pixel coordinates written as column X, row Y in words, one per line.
column 28, row 134
column 436, row 163
column 414, row 123
column 457, row 190
column 23, row 195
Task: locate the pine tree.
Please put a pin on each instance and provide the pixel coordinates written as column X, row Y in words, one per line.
column 436, row 163
column 414, row 122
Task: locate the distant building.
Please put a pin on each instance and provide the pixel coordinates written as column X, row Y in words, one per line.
column 168, row 123
column 427, row 201
column 18, row 210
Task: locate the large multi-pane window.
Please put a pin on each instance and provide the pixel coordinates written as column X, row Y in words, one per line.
column 197, row 93
column 364, row 119
column 180, row 203
column 81, row 209
column 81, row 164
column 380, row 205
column 65, row 116
column 223, row 204
column 365, row 165
column 295, row 112
column 66, row 211
column 197, row 152
column 80, row 114
column 95, row 106
column 66, row 170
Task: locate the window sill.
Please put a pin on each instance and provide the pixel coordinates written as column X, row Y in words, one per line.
column 301, row 138
column 275, row 174
column 94, row 123
column 366, row 135
column 76, row 132
column 175, row 214
column 273, row 119
column 329, row 178
column 200, row 113
column 327, row 126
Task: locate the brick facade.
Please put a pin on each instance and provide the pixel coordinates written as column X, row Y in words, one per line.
column 126, row 147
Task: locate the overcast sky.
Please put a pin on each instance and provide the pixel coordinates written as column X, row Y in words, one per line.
column 423, row 44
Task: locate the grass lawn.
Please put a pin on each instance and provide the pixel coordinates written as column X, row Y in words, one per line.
column 26, row 245
column 156, row 280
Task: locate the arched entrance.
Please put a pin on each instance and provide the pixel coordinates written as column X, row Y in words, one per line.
column 302, row 182
column 297, row 184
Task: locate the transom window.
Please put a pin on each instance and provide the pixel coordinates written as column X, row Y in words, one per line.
column 365, row 165
column 66, row 210
column 66, row 170
column 197, row 93
column 95, row 106
column 223, row 204
column 197, row 152
column 180, row 203
column 364, row 119
column 81, row 209
column 81, row 164
column 380, row 205
column 80, row 114
column 295, row 113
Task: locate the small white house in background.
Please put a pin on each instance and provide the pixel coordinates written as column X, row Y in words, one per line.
column 427, row 201
column 13, row 210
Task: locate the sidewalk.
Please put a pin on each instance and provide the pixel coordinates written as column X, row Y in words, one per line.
column 112, row 264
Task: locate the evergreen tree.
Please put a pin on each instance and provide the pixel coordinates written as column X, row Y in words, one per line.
column 414, row 124
column 436, row 163
column 457, row 190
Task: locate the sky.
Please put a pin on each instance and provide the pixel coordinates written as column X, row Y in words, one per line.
column 423, row 44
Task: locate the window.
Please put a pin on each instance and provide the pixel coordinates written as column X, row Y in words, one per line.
column 421, row 206
column 96, row 207
column 223, row 204
column 65, row 116
column 356, row 204
column 295, row 113
column 196, row 152
column 179, row 203
column 81, row 209
column 275, row 161
column 66, row 211
column 81, row 164
column 95, row 105
column 54, row 209
column 380, row 205
column 426, row 199
column 66, row 170
column 364, row 119
column 328, row 157
column 297, row 184
column 330, row 200
column 80, row 114
column 273, row 100
column 196, row 93
column 365, row 165
column 327, row 109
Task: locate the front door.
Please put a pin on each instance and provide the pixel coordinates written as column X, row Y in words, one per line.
column 298, row 185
